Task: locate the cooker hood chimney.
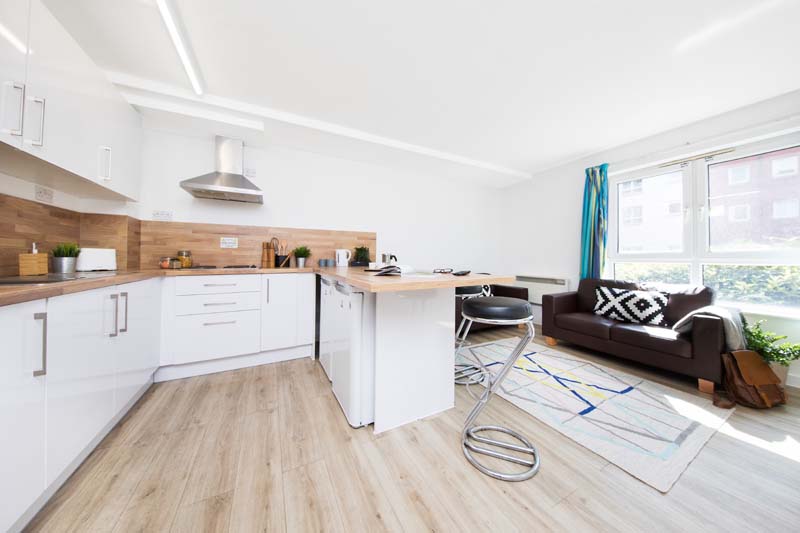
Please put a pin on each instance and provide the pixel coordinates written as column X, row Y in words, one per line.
column 228, row 181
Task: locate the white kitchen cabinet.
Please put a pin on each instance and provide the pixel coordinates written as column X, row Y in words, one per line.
column 278, row 311
column 22, row 408
column 136, row 348
column 306, row 308
column 13, row 60
column 80, row 372
column 215, row 335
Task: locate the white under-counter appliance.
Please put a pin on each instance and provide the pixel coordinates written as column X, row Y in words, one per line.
column 347, row 349
column 96, row 259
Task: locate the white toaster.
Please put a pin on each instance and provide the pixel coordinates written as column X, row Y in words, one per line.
column 96, row 259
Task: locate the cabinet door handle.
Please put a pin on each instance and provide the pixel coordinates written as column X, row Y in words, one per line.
column 43, row 318
column 209, row 304
column 40, row 140
column 267, row 290
column 21, row 88
column 115, row 297
column 125, row 295
column 219, row 323
column 105, row 166
column 219, row 284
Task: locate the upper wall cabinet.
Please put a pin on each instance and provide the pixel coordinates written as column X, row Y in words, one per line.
column 72, row 116
column 13, row 58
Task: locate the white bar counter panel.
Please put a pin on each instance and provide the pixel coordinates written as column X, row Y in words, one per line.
column 414, row 341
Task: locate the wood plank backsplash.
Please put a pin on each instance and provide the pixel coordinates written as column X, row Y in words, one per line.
column 160, row 239
column 140, row 243
column 23, row 222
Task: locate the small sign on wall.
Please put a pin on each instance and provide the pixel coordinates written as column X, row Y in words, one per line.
column 229, row 242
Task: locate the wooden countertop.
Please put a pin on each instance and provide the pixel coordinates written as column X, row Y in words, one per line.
column 14, row 294
column 369, row 282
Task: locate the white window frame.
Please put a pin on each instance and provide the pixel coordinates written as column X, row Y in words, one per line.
column 794, row 201
column 696, row 246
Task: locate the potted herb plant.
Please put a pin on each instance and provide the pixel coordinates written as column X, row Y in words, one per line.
column 64, row 257
column 361, row 256
column 779, row 356
column 301, row 253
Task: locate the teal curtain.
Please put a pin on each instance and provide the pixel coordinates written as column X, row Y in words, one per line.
column 595, row 222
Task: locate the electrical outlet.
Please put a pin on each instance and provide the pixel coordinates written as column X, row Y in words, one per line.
column 164, row 216
column 44, row 195
column 249, row 172
column 229, row 242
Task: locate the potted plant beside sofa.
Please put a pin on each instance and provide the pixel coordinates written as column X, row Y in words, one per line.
column 779, row 356
column 64, row 257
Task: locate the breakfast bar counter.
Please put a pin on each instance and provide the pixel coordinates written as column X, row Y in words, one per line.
column 414, row 339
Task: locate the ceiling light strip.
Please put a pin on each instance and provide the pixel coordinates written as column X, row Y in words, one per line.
column 178, row 36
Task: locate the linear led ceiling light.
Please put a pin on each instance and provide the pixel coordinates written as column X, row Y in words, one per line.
column 178, row 36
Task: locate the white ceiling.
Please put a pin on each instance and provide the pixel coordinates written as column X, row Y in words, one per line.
column 523, row 85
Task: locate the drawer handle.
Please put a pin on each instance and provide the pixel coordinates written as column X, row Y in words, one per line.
column 209, row 304
column 219, row 284
column 43, row 318
column 219, row 323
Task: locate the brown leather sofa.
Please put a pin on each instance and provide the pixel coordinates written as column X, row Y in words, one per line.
column 569, row 316
column 497, row 290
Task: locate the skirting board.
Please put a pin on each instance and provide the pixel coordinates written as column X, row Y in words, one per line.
column 170, row 372
column 40, row 502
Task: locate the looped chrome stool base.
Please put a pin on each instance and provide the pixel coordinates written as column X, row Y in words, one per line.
column 467, row 374
column 470, row 437
column 508, row 312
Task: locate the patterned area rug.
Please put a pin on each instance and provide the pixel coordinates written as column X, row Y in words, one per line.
column 651, row 431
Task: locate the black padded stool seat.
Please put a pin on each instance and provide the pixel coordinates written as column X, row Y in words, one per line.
column 469, row 290
column 497, row 308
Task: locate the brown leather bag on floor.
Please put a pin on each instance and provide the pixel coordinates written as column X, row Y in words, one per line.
column 750, row 381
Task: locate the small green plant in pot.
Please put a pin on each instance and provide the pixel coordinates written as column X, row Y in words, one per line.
column 768, row 344
column 301, row 253
column 64, row 257
column 361, row 256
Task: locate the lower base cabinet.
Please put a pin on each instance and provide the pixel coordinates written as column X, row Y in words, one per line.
column 70, row 365
column 22, row 409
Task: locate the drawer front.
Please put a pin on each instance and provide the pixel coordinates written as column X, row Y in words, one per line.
column 199, row 304
column 203, row 337
column 217, row 284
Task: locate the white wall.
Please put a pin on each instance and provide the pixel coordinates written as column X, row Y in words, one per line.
column 544, row 213
column 426, row 221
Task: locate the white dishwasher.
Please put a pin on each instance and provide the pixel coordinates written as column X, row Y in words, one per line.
column 353, row 353
column 326, row 323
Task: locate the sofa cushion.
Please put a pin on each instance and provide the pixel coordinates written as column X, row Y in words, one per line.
column 586, row 323
column 682, row 299
column 639, row 307
column 586, row 294
column 655, row 338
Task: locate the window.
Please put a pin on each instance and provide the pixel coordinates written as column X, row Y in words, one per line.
column 725, row 222
column 785, row 166
column 786, row 208
column 653, row 272
column 739, row 213
column 646, row 222
column 632, row 215
column 738, row 175
column 631, row 187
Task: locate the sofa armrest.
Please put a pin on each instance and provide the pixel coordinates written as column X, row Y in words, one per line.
column 556, row 304
column 708, row 342
column 510, row 291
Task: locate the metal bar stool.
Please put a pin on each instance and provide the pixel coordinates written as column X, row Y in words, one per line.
column 503, row 311
column 467, row 373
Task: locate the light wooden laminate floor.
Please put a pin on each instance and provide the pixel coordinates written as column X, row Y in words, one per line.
column 268, row 449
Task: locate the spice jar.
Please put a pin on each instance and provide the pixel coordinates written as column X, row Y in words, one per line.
column 185, row 257
column 164, row 262
column 174, row 263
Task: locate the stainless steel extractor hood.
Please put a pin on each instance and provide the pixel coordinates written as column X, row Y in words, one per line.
column 228, row 181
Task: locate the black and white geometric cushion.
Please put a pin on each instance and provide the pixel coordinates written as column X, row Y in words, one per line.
column 640, row 307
